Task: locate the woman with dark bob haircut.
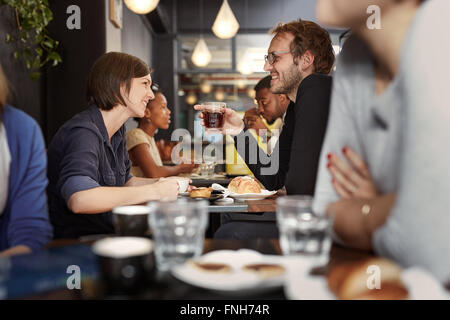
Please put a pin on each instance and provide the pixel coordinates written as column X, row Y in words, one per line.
column 89, row 168
column 24, row 222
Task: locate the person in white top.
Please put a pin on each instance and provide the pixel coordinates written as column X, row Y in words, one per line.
column 390, row 113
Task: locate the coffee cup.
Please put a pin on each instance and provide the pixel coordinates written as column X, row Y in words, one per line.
column 131, row 221
column 126, row 264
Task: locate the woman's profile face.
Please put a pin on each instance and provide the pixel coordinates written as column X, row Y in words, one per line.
column 139, row 96
column 158, row 113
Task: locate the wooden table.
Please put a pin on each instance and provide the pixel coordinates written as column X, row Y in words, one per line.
column 166, row 287
column 239, row 208
column 249, row 206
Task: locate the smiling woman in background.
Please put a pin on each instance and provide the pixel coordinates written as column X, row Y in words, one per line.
column 89, row 167
column 24, row 223
column 141, row 144
column 390, row 117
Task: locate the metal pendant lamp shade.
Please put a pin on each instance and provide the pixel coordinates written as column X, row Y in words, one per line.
column 225, row 26
column 201, row 55
column 141, row 6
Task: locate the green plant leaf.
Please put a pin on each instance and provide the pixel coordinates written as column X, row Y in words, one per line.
column 36, row 47
column 35, row 75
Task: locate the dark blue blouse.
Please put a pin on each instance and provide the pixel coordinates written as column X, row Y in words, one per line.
column 81, row 157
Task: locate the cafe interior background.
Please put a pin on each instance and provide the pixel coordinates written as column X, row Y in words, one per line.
column 166, row 39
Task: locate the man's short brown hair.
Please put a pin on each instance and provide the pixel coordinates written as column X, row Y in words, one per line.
column 309, row 36
column 109, row 73
column 3, row 90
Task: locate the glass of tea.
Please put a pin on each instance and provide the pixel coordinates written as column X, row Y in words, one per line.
column 213, row 113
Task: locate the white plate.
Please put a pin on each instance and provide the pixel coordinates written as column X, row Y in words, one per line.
column 301, row 285
column 252, row 196
column 237, row 281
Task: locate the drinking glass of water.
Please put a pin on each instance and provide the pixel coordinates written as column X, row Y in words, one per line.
column 302, row 232
column 178, row 230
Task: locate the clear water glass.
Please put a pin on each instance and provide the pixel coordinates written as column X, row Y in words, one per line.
column 302, row 232
column 178, row 230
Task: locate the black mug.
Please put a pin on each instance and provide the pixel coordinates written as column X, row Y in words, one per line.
column 131, row 221
column 126, row 264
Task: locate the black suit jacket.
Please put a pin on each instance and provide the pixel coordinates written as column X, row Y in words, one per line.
column 299, row 144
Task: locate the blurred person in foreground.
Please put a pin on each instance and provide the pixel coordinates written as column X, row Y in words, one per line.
column 143, row 151
column 89, row 167
column 384, row 166
column 24, row 221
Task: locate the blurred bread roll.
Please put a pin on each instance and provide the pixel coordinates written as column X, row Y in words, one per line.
column 244, row 185
column 210, row 266
column 200, row 192
column 349, row 281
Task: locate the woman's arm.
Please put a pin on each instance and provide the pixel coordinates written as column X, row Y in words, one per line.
column 356, row 219
column 141, row 157
column 20, row 249
column 29, row 226
column 138, row 181
column 102, row 199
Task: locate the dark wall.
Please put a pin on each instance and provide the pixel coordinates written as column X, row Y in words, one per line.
column 66, row 83
column 165, row 76
column 26, row 94
column 261, row 15
column 137, row 37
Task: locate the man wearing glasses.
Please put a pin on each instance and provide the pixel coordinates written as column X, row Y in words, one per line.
column 299, row 59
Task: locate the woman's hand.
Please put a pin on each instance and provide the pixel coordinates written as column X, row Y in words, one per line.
column 166, row 188
column 355, row 227
column 351, row 180
column 187, row 167
column 348, row 222
column 232, row 124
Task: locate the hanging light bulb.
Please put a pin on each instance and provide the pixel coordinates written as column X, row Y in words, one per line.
column 225, row 26
column 141, row 6
column 220, row 95
column 205, row 87
column 245, row 65
column 201, row 55
column 240, row 84
column 191, row 98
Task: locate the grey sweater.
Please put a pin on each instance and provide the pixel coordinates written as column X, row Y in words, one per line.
column 403, row 135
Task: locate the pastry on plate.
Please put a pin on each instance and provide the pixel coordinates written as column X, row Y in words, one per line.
column 357, row 280
column 212, row 267
column 265, row 270
column 244, row 184
column 202, row 192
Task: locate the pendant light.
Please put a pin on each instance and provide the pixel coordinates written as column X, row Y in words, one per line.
column 141, row 6
column 225, row 26
column 220, row 94
column 191, row 98
column 245, row 65
column 205, row 87
column 201, row 56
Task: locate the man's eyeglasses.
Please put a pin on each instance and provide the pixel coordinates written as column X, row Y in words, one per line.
column 271, row 58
